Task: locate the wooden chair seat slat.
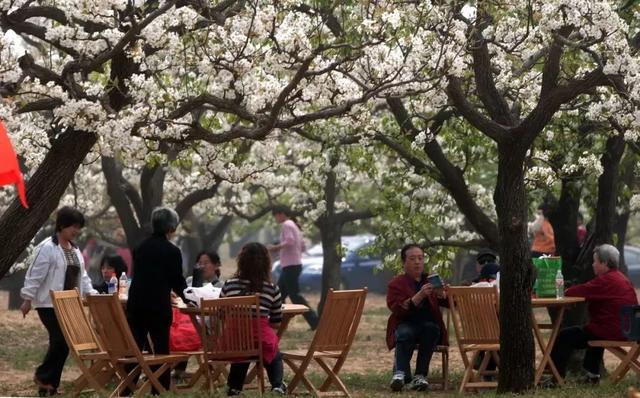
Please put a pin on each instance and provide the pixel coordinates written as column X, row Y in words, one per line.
column 230, row 331
column 475, row 319
column 84, row 345
column 118, row 341
column 332, row 340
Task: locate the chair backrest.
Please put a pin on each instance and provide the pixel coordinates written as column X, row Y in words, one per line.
column 339, row 320
column 74, row 322
column 230, row 327
column 112, row 326
column 474, row 311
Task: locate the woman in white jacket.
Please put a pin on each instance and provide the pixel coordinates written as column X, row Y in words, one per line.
column 57, row 265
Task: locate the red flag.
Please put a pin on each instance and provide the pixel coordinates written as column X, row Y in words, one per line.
column 9, row 169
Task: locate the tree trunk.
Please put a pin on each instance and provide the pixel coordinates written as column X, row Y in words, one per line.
column 517, row 350
column 44, row 190
column 602, row 232
column 620, row 230
column 564, row 220
column 608, row 189
column 115, row 189
column 330, row 232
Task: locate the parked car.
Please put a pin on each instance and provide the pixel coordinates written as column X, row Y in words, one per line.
column 632, row 259
column 357, row 269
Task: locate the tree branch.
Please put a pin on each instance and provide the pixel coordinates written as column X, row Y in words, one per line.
column 493, row 130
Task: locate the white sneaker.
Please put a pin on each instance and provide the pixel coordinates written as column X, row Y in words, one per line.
column 397, row 382
column 419, row 383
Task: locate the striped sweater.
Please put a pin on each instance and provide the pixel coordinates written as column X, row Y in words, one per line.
column 270, row 297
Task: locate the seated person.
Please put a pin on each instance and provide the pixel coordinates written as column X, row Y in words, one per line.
column 605, row 294
column 488, row 275
column 484, row 256
column 254, row 276
column 415, row 320
column 110, row 265
column 206, row 270
column 208, row 266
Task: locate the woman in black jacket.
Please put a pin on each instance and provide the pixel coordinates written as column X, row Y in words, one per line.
column 157, row 270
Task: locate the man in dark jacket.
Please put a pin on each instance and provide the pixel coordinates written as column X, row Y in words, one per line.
column 605, row 294
column 157, row 270
column 415, row 320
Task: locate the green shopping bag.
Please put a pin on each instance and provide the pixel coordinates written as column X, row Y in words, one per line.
column 546, row 270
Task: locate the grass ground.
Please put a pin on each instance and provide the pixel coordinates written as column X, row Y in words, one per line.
column 366, row 372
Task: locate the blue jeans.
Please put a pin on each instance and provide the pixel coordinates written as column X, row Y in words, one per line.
column 408, row 335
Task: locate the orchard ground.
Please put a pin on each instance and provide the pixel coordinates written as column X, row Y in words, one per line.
column 366, row 372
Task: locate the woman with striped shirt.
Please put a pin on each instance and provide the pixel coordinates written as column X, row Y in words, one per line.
column 254, row 276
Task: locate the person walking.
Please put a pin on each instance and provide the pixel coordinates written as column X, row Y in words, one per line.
column 58, row 264
column 157, row 270
column 291, row 247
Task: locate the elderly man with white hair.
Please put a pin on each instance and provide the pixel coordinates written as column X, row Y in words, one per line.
column 605, row 295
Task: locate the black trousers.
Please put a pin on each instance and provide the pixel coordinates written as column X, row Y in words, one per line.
column 572, row 338
column 289, row 286
column 408, row 335
column 50, row 371
column 157, row 327
column 238, row 372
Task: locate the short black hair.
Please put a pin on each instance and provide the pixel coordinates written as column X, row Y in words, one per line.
column 116, row 262
column 68, row 216
column 280, row 209
column 405, row 249
column 213, row 256
column 486, row 256
column 546, row 209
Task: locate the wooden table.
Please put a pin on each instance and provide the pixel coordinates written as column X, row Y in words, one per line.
column 546, row 346
column 288, row 312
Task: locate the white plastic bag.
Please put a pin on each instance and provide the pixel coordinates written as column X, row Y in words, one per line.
column 207, row 291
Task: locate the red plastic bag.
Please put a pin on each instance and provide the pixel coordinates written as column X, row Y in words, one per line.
column 183, row 336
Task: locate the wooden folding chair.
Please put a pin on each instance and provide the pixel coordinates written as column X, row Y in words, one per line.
column 443, row 378
column 332, row 340
column 84, row 346
column 119, row 343
column 231, row 332
column 474, row 311
column 626, row 351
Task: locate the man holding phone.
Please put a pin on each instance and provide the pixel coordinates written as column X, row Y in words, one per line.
column 415, row 319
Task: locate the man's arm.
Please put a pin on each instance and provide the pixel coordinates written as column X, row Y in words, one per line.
column 593, row 290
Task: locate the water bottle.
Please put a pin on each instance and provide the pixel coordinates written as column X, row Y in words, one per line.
column 112, row 285
column 559, row 285
column 123, row 286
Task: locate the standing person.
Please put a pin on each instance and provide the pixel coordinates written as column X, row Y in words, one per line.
column 291, row 247
column 157, row 270
column 415, row 320
column 254, row 276
column 58, row 264
column 543, row 236
column 110, row 265
column 605, row 294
